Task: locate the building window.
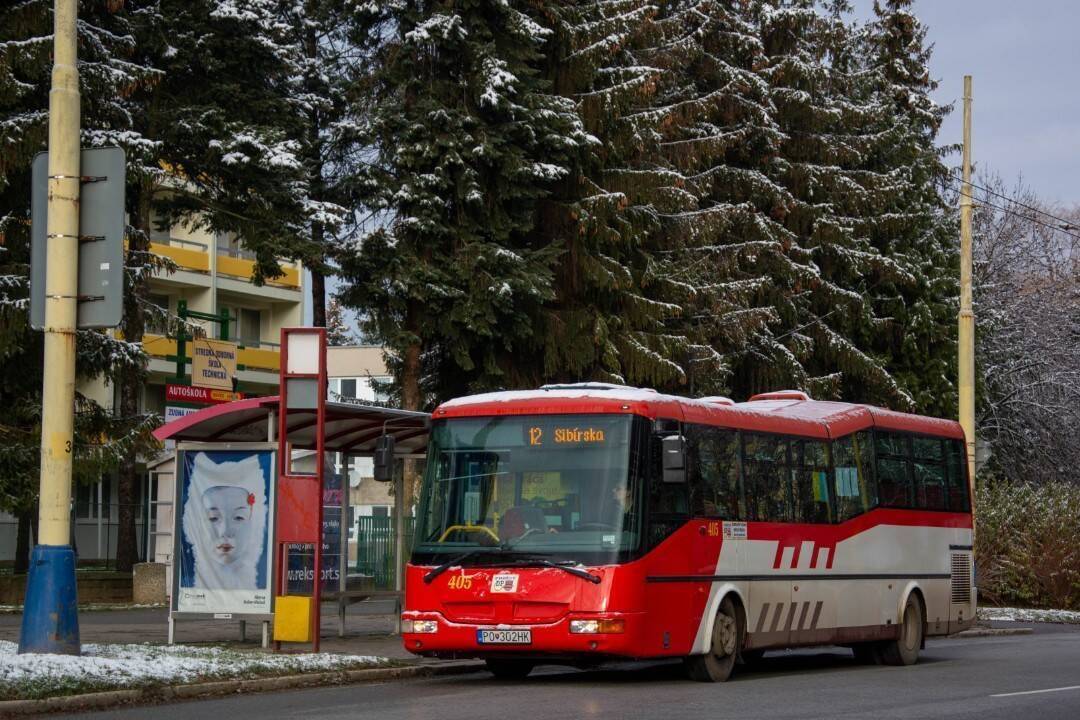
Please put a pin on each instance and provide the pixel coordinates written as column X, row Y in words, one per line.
column 249, row 330
column 382, row 387
column 86, row 500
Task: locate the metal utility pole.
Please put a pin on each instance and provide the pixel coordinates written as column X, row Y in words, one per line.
column 50, row 617
column 967, row 317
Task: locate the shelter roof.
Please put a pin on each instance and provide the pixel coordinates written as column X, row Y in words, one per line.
column 350, row 427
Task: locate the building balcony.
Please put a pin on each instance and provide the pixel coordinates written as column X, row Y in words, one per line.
column 237, row 264
column 187, row 255
column 240, row 264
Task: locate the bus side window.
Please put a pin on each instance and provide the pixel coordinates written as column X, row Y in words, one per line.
column 956, row 464
column 929, row 467
column 767, row 477
column 714, row 472
column 853, row 476
column 811, row 490
column 894, row 469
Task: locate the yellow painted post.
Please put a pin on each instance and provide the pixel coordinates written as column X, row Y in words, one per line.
column 50, row 618
column 967, row 316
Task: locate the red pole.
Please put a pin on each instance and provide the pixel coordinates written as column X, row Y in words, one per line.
column 283, row 462
column 320, row 461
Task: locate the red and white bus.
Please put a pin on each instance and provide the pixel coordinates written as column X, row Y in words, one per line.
column 581, row 523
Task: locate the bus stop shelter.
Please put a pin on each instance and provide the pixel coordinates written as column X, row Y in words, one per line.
column 351, row 428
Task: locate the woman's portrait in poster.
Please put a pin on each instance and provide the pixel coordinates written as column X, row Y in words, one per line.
column 224, row 523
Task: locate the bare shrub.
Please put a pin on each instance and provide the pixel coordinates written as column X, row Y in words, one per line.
column 1027, row 547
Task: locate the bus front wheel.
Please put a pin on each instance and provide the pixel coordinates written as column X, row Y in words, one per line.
column 905, row 649
column 509, row 669
column 727, row 637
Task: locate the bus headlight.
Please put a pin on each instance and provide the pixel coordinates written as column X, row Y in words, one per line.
column 592, row 627
column 425, row 627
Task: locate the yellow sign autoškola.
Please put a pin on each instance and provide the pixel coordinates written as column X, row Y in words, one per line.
column 213, row 364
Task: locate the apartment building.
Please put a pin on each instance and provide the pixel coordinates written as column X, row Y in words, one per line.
column 214, row 274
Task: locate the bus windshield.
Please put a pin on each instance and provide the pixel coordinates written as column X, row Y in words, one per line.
column 560, row 487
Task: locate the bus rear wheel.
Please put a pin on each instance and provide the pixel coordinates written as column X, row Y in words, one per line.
column 727, row 637
column 905, row 649
column 509, row 669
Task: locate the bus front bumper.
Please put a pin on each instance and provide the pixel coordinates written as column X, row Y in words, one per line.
column 594, row 634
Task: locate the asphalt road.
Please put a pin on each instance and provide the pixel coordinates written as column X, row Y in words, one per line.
column 1030, row 677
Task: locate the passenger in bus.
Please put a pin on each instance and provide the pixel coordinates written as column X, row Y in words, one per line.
column 618, row 511
column 522, row 519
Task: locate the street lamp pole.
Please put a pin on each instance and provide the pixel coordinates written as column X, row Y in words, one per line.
column 50, row 617
column 967, row 316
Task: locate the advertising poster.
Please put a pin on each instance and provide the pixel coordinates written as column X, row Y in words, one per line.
column 302, row 556
column 223, row 535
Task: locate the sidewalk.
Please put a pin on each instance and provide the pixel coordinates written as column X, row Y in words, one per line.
column 369, row 630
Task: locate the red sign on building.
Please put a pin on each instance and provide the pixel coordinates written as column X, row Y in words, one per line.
column 206, row 396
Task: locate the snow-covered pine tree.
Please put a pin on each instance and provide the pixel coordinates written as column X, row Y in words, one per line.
column 721, row 246
column 825, row 340
column 108, row 76
column 327, row 62
column 230, row 123
column 916, row 227
column 338, row 332
column 613, row 306
column 465, row 138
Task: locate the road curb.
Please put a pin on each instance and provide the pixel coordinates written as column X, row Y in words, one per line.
column 143, row 696
column 993, row 632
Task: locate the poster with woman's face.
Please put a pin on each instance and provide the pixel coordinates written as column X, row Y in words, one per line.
column 224, row 535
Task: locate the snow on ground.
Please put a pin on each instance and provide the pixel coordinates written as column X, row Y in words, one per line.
column 1005, row 614
column 107, row 667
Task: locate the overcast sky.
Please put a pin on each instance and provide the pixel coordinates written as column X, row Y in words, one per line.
column 1024, row 59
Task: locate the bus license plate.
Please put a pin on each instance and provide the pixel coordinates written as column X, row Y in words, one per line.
column 504, row 637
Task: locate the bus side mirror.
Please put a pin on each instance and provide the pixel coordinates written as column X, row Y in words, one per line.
column 673, row 449
column 384, row 458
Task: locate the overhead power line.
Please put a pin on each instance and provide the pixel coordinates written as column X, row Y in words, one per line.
column 1029, row 218
column 1066, row 225
column 1064, row 228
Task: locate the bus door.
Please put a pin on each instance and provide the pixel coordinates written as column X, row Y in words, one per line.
column 669, row 548
column 767, row 482
column 814, row 602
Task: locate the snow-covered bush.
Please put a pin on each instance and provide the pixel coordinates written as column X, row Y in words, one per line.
column 1027, row 544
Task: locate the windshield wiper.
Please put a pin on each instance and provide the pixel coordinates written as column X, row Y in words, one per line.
column 564, row 566
column 519, row 561
column 439, row 570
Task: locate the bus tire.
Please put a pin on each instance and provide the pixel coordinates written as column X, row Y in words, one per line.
column 905, row 649
column 727, row 637
column 509, row 669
